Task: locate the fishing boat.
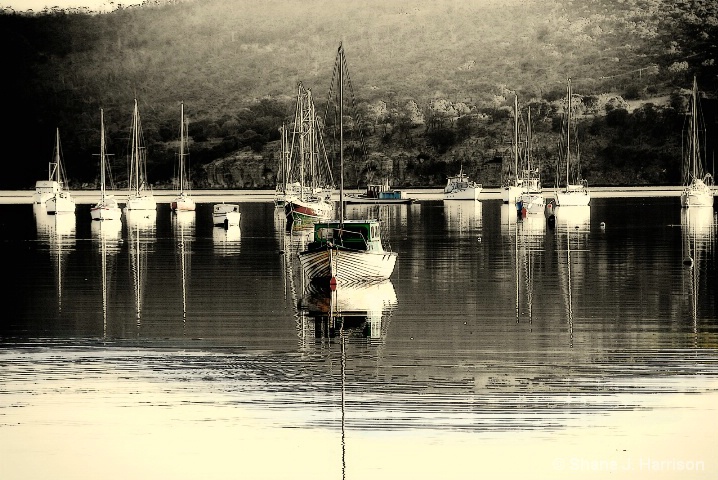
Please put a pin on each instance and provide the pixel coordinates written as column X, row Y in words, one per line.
column 379, row 194
column 183, row 200
column 307, row 151
column 226, row 215
column 575, row 192
column 460, row 188
column 106, row 208
column 345, row 251
column 698, row 185
column 52, row 193
column 140, row 195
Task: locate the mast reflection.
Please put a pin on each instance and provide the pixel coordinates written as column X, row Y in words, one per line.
column 107, row 235
column 698, row 235
column 183, row 223
column 58, row 233
column 572, row 225
column 141, row 234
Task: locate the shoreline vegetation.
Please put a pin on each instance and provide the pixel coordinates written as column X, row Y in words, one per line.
column 435, row 84
column 209, row 196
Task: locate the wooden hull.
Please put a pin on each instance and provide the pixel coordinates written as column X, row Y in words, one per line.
column 359, row 199
column 306, row 211
column 347, row 266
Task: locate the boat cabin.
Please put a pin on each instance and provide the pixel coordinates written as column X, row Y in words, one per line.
column 355, row 234
column 382, row 192
column 47, row 186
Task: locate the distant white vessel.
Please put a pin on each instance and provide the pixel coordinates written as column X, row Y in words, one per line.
column 575, row 193
column 226, row 215
column 106, row 208
column 140, row 196
column 531, row 198
column 460, row 188
column 52, row 193
column 183, row 200
column 698, row 191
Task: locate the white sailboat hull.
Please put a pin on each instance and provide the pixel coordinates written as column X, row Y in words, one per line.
column 573, row 198
column 61, row 202
column 106, row 210
column 141, row 202
column 697, row 194
column 347, row 266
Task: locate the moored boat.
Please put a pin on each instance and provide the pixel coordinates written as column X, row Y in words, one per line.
column 305, row 160
column 379, row 194
column 698, row 185
column 342, row 250
column 575, row 192
column 140, row 195
column 459, row 187
column 226, row 214
column 107, row 208
column 57, row 199
column 347, row 251
column 183, row 201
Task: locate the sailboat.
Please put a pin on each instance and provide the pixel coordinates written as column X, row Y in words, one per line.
column 315, row 181
column 531, row 199
column 107, row 208
column 287, row 188
column 511, row 190
column 183, row 201
column 575, row 192
column 698, row 189
column 139, row 196
column 52, row 192
column 345, row 251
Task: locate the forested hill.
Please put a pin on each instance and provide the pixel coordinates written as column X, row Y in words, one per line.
column 434, row 82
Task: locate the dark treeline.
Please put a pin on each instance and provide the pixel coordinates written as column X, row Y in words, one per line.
column 434, row 85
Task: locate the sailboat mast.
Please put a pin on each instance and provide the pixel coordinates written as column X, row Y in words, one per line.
column 528, row 138
column 694, row 129
column 341, row 136
column 516, row 135
column 102, row 155
column 181, row 165
column 57, row 155
column 568, row 134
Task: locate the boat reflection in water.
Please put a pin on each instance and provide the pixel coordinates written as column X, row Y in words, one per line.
column 573, row 224
column 698, row 225
column 141, row 234
column 58, row 233
column 183, row 223
column 226, row 240
column 462, row 216
column 357, row 309
column 107, row 236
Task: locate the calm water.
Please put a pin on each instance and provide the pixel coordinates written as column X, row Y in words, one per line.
column 164, row 347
